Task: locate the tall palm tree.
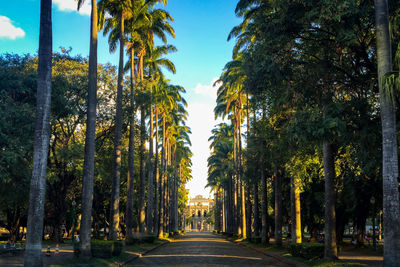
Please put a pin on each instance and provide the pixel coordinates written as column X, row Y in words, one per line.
column 153, row 63
column 88, row 165
column 220, row 166
column 145, row 23
column 230, row 100
column 37, row 193
column 168, row 98
column 138, row 31
column 179, row 142
column 390, row 169
column 119, row 10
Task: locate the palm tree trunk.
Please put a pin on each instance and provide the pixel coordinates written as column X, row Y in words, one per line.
column 131, row 156
column 88, row 165
column 142, row 173
column 150, row 181
column 295, row 211
column 248, row 191
column 37, row 193
column 256, row 211
column 248, row 211
column 390, row 172
column 161, row 225
column 157, row 184
column 264, row 191
column 230, row 207
column 330, row 216
column 223, row 211
column 278, row 208
column 264, row 208
column 117, row 141
column 242, row 189
column 175, row 198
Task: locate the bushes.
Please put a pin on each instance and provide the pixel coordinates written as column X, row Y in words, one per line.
column 102, row 249
column 255, row 239
column 149, row 238
column 306, row 250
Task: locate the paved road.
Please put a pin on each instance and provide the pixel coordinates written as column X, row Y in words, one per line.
column 204, row 249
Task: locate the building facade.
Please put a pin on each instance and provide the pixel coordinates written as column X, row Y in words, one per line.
column 199, row 212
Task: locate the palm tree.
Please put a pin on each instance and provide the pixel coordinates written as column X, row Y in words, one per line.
column 390, row 172
column 230, row 100
column 88, row 166
column 180, row 143
column 138, row 29
column 153, row 63
column 168, row 98
column 33, row 248
column 220, row 167
column 144, row 23
column 119, row 10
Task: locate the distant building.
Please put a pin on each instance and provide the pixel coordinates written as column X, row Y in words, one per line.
column 198, row 209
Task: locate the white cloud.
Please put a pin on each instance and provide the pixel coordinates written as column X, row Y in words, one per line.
column 71, row 5
column 8, row 30
column 207, row 90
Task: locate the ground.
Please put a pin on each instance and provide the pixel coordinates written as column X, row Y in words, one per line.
column 200, row 249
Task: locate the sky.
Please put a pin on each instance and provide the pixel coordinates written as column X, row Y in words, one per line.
column 201, row 27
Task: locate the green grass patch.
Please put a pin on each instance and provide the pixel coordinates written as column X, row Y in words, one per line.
column 322, row 262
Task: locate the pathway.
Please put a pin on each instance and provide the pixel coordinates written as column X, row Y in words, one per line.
column 204, row 249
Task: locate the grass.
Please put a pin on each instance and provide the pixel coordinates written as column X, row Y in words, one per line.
column 313, row 262
column 322, row 262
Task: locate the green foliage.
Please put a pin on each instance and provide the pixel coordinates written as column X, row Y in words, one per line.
column 105, row 249
column 306, row 250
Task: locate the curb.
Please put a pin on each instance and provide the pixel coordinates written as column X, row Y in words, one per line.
column 138, row 255
column 279, row 258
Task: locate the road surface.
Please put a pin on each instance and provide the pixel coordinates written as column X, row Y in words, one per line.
column 204, row 249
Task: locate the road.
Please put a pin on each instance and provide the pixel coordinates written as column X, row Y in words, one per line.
column 204, row 249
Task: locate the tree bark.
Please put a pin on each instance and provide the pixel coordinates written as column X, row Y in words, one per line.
column 37, row 192
column 114, row 205
column 330, row 215
column 264, row 208
column 157, row 184
column 292, row 211
column 256, row 212
column 295, row 208
column 88, row 165
column 390, row 171
column 150, row 181
column 161, row 210
column 278, row 208
column 174, row 213
column 131, row 155
column 248, row 211
column 142, row 213
column 242, row 189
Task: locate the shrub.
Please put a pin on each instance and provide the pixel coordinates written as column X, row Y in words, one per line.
column 101, row 248
column 307, row 250
column 149, row 238
column 117, row 249
column 255, row 239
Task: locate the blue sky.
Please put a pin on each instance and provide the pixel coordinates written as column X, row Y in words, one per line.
column 201, row 26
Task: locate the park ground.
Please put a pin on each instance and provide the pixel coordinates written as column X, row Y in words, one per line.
column 199, row 249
